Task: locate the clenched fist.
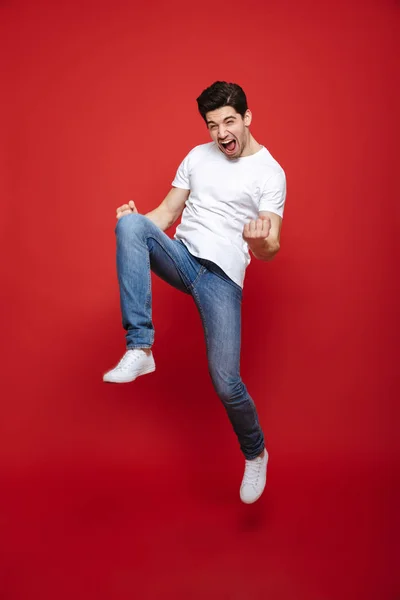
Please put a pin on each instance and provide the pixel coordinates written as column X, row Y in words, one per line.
column 126, row 209
column 257, row 230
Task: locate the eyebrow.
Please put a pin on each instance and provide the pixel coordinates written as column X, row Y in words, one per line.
column 226, row 118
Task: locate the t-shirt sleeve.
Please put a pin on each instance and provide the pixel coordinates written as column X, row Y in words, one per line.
column 274, row 194
column 182, row 177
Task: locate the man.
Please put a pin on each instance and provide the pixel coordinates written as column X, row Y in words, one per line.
column 231, row 193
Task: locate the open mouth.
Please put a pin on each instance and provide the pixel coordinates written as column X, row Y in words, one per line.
column 229, row 146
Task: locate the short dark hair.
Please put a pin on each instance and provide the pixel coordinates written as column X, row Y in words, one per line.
column 221, row 94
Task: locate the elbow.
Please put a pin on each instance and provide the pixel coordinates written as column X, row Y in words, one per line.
column 173, row 218
column 170, row 222
column 168, row 218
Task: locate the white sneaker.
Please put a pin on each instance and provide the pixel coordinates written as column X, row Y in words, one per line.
column 135, row 362
column 254, row 479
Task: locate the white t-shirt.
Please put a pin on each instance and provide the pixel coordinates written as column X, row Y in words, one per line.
column 224, row 195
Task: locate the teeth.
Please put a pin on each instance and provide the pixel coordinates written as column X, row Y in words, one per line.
column 226, row 143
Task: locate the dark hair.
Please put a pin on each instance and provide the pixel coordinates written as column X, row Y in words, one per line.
column 221, row 94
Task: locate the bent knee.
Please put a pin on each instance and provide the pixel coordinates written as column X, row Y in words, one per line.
column 132, row 223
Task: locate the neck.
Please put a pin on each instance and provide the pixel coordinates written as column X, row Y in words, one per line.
column 252, row 146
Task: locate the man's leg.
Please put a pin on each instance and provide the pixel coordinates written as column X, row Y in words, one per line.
column 219, row 302
column 142, row 247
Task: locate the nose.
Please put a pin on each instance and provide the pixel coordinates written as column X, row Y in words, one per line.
column 221, row 132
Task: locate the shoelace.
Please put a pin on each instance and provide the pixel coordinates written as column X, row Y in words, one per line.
column 252, row 471
column 127, row 360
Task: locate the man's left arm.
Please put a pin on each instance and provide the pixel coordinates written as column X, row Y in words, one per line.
column 263, row 235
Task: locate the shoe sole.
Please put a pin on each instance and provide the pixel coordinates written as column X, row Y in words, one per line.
column 146, row 372
column 255, row 499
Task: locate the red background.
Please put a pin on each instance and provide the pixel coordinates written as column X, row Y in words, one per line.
column 117, row 492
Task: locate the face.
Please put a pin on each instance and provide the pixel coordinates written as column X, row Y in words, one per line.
column 229, row 130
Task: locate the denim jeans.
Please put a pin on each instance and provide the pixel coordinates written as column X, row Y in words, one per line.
column 141, row 247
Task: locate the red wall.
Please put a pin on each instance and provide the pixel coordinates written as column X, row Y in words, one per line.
column 98, row 108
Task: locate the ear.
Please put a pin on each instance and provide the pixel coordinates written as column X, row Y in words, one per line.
column 247, row 117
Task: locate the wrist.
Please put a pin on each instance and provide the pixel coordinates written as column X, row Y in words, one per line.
column 264, row 249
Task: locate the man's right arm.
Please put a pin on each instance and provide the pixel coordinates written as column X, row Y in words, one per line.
column 170, row 208
column 166, row 213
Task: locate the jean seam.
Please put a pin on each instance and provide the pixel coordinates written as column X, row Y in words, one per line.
column 201, row 315
column 133, row 346
column 148, row 298
column 147, row 304
column 202, row 269
column 176, row 263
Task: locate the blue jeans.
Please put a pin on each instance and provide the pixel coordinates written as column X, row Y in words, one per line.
column 141, row 247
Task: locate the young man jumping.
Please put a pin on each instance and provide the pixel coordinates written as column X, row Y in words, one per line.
column 231, row 194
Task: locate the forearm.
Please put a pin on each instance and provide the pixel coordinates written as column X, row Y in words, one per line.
column 161, row 217
column 265, row 249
